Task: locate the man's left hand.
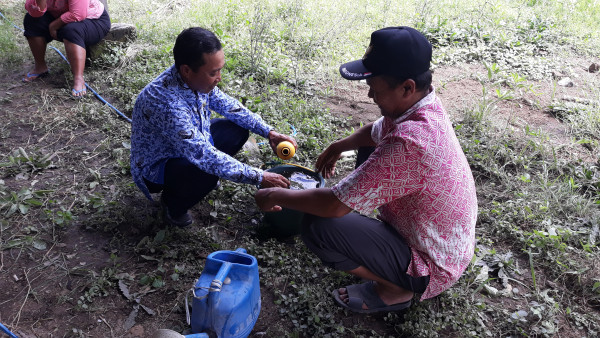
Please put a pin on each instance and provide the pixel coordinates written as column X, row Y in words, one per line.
column 273, row 180
column 275, row 138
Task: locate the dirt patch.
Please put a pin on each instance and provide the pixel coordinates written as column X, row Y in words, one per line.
column 351, row 102
column 460, row 88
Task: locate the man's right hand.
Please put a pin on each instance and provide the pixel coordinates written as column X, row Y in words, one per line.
column 326, row 161
column 272, row 180
column 361, row 138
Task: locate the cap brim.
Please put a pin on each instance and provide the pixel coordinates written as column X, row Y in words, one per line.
column 355, row 70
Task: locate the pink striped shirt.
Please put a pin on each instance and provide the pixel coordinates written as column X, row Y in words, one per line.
column 420, row 181
column 68, row 10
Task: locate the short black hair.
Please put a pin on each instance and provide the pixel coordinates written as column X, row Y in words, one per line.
column 192, row 44
column 422, row 81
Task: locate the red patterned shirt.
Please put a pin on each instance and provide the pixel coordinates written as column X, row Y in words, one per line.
column 419, row 180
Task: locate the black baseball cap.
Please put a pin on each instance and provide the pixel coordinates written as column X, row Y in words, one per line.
column 401, row 52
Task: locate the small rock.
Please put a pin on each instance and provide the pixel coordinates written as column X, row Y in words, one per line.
column 565, row 82
column 594, row 67
column 348, row 153
column 122, row 34
column 557, row 74
column 137, row 331
column 492, row 291
column 21, row 177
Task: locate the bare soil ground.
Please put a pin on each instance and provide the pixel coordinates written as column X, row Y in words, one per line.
column 41, row 290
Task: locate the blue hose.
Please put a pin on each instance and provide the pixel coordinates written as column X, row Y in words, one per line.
column 93, row 91
column 5, row 330
column 86, row 85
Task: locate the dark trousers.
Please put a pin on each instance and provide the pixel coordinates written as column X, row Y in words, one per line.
column 185, row 184
column 82, row 33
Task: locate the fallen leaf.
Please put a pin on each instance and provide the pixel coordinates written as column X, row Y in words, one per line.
column 39, row 244
column 148, row 310
column 124, row 289
column 130, row 321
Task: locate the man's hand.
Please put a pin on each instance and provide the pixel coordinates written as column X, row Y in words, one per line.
column 275, row 138
column 273, row 180
column 326, row 161
column 54, row 27
column 264, row 202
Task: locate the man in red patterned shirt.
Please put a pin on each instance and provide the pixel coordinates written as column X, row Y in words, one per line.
column 411, row 168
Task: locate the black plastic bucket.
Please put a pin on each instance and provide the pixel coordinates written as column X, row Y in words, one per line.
column 287, row 222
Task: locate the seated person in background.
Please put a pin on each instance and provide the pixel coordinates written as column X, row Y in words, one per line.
column 410, row 166
column 176, row 147
column 77, row 23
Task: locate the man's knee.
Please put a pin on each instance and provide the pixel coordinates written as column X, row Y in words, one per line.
column 308, row 221
column 319, row 234
column 244, row 134
column 316, row 229
column 225, row 125
column 228, row 137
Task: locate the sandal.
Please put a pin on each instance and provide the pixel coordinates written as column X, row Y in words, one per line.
column 365, row 293
column 76, row 93
column 30, row 77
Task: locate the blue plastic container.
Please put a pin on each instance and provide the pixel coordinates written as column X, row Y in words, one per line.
column 227, row 295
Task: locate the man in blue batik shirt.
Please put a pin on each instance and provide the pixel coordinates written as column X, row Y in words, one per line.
column 176, row 148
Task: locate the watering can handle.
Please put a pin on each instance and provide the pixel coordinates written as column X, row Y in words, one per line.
column 217, row 283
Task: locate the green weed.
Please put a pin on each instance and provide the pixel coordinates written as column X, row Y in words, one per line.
column 22, row 162
column 21, row 201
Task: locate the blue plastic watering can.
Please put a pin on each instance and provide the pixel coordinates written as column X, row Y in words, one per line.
column 227, row 295
column 226, row 298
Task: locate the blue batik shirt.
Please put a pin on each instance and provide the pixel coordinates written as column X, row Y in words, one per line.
column 172, row 121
